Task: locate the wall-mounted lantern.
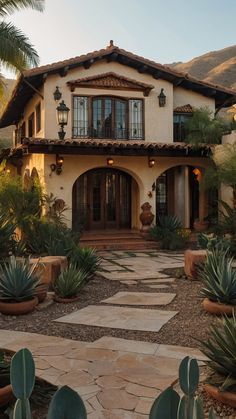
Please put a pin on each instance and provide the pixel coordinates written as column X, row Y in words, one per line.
column 151, row 162
column 62, row 118
column 162, row 98
column 110, row 161
column 57, row 94
column 58, row 166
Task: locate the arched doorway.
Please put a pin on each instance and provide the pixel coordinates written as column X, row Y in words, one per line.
column 102, row 200
column 178, row 193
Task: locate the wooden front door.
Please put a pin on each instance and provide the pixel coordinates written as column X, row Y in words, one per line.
column 102, row 200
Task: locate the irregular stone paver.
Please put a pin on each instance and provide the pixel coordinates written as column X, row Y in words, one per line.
column 158, row 281
column 157, row 287
column 140, row 298
column 128, row 318
column 122, row 378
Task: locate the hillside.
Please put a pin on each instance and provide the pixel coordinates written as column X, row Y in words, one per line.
column 6, row 133
column 217, row 67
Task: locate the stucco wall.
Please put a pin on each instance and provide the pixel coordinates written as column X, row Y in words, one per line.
column 30, row 108
column 184, row 97
column 226, row 193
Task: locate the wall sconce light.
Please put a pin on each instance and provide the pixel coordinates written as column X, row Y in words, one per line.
column 57, row 94
column 58, row 166
column 62, row 118
column 110, row 161
column 149, row 194
column 151, row 162
column 162, row 98
column 197, row 173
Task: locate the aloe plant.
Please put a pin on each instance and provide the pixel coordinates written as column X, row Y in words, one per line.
column 18, row 280
column 169, row 404
column 169, row 232
column 220, row 348
column 218, row 277
column 65, row 404
column 86, row 259
column 69, row 282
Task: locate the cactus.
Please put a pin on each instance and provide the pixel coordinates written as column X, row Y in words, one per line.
column 65, row 404
column 169, row 405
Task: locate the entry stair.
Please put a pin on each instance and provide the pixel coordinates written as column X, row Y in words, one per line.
column 121, row 240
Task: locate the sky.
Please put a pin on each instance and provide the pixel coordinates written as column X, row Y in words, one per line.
column 163, row 30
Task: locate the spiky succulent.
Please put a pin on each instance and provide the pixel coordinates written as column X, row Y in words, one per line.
column 220, row 348
column 69, row 282
column 86, row 259
column 18, row 280
column 218, row 277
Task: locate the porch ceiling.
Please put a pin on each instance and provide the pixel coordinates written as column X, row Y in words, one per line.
column 113, row 147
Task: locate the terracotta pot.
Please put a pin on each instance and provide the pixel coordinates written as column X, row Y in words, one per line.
column 6, row 395
column 200, row 225
column 16, row 309
column 225, row 397
column 218, row 308
column 41, row 292
column 65, row 300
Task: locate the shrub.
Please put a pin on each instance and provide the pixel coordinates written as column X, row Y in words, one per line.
column 170, row 233
column 210, row 242
column 220, row 348
column 86, row 259
column 69, row 282
column 7, row 237
column 17, row 280
column 218, row 277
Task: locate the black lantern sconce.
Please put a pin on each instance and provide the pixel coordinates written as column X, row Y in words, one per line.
column 57, row 94
column 151, row 162
column 110, row 161
column 162, row 98
column 58, row 166
column 62, row 118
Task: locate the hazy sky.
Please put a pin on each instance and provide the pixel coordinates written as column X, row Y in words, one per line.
column 163, row 30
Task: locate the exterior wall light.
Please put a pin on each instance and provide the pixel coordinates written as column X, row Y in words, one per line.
column 58, row 166
column 197, row 173
column 151, row 162
column 57, row 94
column 110, row 161
column 62, row 118
column 162, row 98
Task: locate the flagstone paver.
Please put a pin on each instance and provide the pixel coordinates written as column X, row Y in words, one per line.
column 158, row 286
column 128, row 318
column 140, row 298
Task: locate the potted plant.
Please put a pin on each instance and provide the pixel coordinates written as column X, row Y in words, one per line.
column 219, row 283
column 68, row 284
column 220, row 348
column 18, row 283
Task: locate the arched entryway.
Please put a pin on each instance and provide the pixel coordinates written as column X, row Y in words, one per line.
column 102, row 200
column 178, row 193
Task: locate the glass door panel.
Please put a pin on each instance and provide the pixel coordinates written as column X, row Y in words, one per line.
column 120, row 119
column 111, row 199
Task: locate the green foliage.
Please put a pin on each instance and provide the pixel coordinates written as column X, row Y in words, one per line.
column 220, row 348
column 66, row 403
column 203, row 127
column 169, row 405
column 169, row 232
column 211, row 242
column 17, row 280
column 69, row 282
column 86, row 259
column 218, row 277
column 7, row 237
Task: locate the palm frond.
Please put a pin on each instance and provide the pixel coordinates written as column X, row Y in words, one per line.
column 8, row 7
column 16, row 52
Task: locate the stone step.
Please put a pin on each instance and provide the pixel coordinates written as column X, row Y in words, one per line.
column 120, row 245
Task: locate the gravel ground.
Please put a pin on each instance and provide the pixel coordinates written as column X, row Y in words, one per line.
column 190, row 324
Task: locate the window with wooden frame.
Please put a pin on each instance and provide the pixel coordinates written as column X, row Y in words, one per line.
column 38, row 117
column 179, row 129
column 107, row 117
column 31, row 129
column 22, row 131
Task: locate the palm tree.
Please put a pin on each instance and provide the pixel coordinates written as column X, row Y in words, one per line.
column 16, row 52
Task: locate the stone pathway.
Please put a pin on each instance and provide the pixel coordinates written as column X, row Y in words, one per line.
column 117, row 378
column 140, row 298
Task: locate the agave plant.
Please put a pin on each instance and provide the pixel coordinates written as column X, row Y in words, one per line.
column 18, row 280
column 86, row 259
column 220, row 348
column 7, row 229
column 69, row 282
column 218, row 277
column 169, row 231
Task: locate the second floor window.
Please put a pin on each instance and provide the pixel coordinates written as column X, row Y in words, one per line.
column 180, row 126
column 38, row 117
column 108, row 117
column 31, row 125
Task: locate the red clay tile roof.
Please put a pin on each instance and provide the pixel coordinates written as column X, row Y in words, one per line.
column 184, row 109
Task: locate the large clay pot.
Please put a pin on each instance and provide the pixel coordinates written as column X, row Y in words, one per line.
column 6, row 395
column 200, row 225
column 18, row 308
column 225, row 397
column 41, row 292
column 218, row 308
column 65, row 300
column 146, row 217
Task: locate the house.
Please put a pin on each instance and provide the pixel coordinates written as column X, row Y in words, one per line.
column 104, row 132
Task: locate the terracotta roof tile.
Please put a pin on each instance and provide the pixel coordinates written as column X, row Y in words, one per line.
column 184, row 109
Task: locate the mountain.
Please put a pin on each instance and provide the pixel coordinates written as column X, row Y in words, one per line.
column 217, row 67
